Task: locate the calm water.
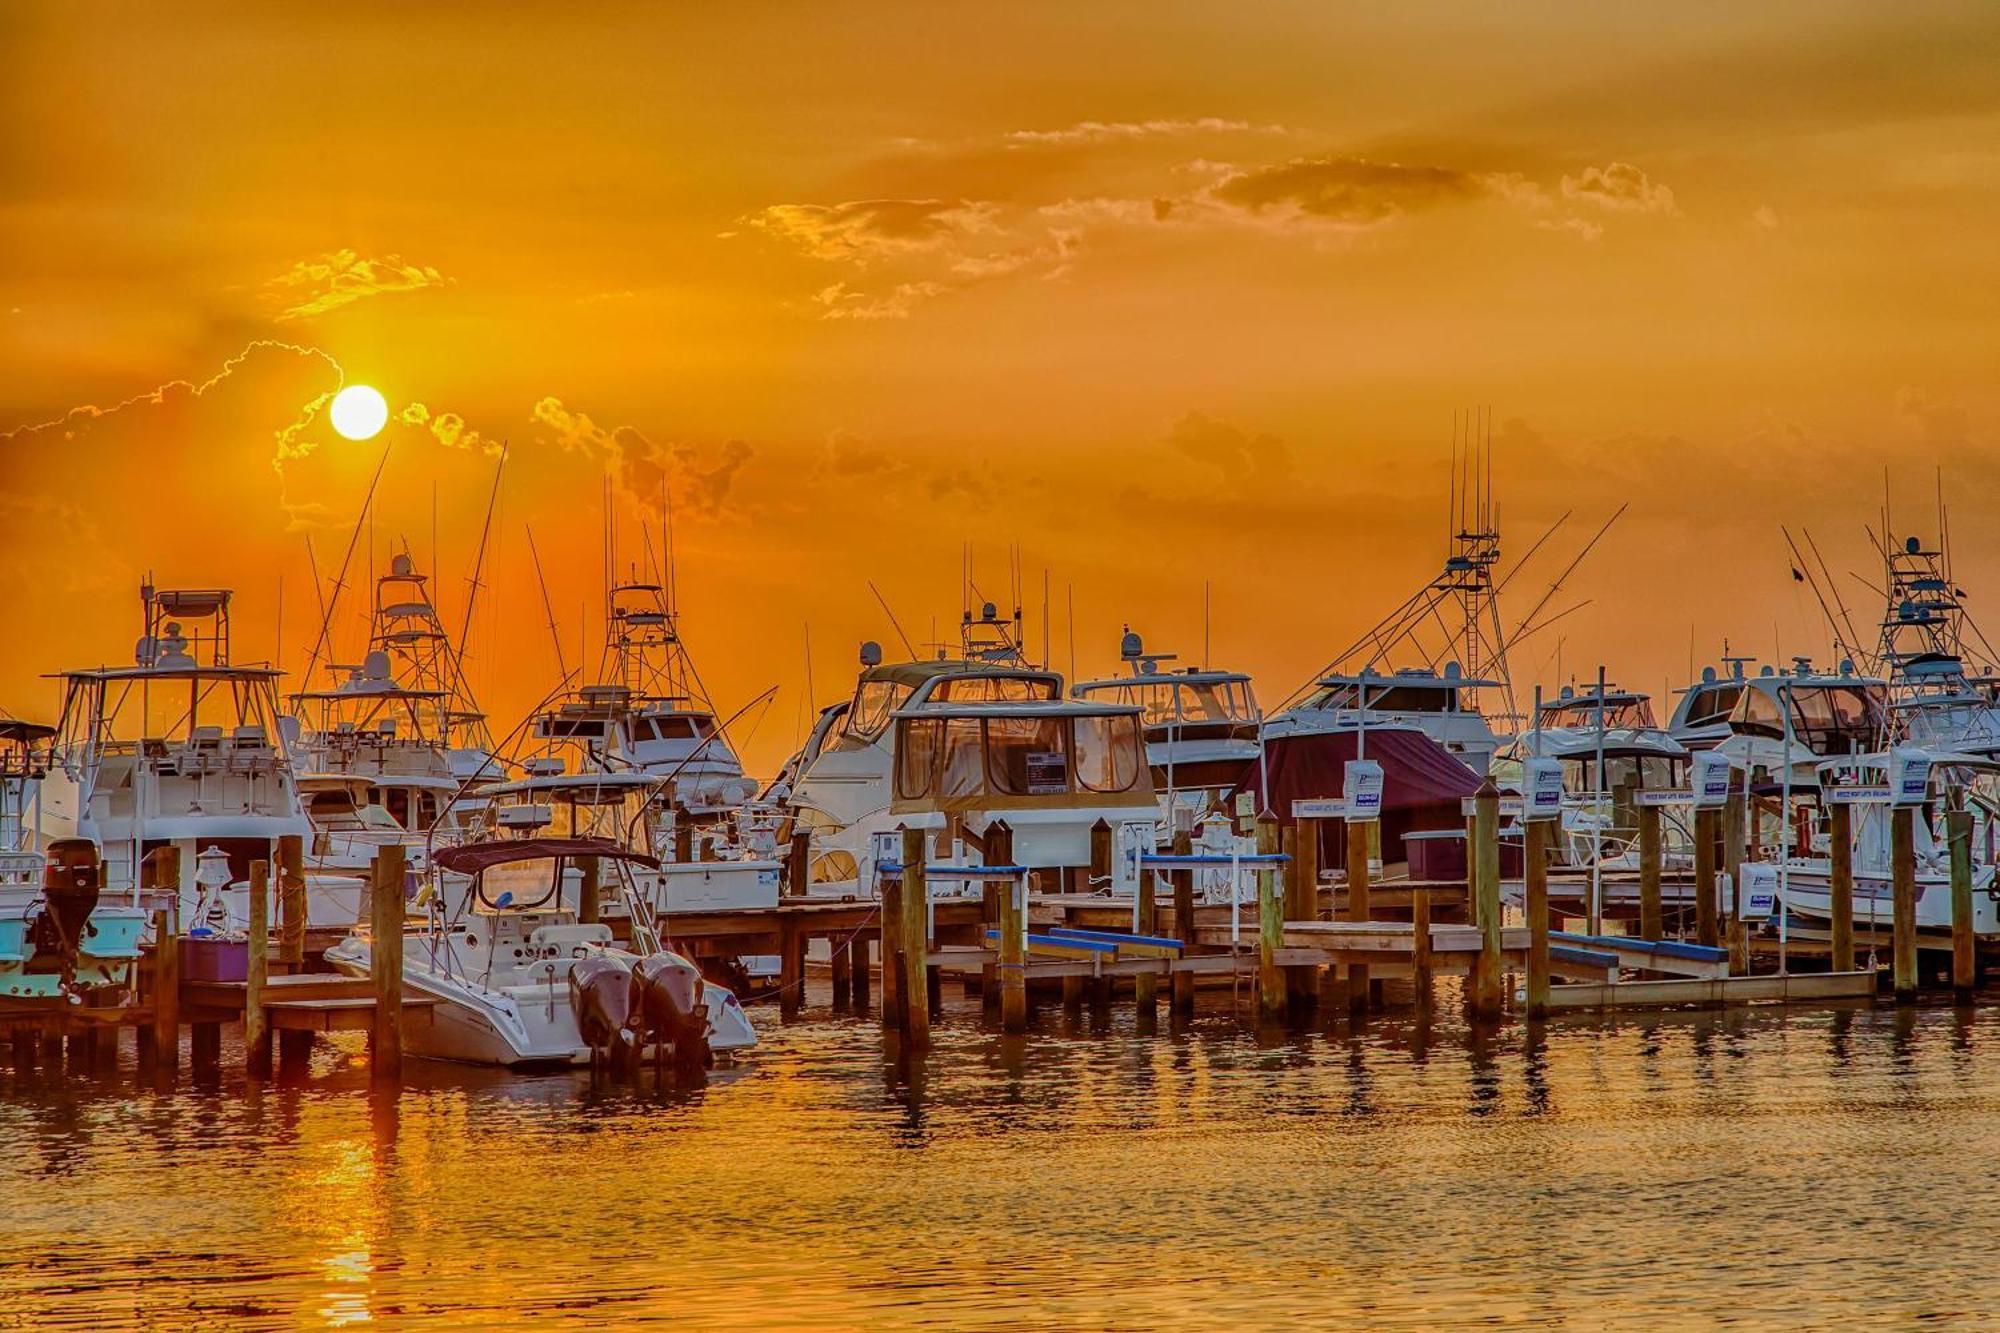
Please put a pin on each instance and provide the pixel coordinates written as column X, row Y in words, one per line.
column 1812, row 1168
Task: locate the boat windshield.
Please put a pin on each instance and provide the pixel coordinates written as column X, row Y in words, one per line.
column 1626, row 712
column 1163, row 700
column 1713, row 703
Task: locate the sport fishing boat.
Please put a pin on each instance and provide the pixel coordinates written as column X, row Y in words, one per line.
column 392, row 750
column 519, row 981
column 183, row 747
column 60, row 941
column 1934, row 703
column 1202, row 728
column 1762, row 722
column 1800, row 876
column 955, row 743
column 1439, row 704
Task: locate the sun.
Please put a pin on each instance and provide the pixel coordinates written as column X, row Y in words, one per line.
column 359, row 412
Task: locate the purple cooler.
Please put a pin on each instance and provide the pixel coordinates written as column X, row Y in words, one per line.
column 214, row 960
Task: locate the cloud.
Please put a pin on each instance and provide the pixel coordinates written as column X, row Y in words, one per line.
column 1125, row 131
column 865, row 230
column 839, row 301
column 1622, row 188
column 1582, row 228
column 642, row 466
column 327, row 282
column 1347, row 190
column 1765, row 218
column 291, row 438
column 1942, row 425
column 447, row 428
column 1235, row 453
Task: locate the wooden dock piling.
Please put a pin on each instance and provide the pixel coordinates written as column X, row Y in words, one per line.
column 1486, row 988
column 292, row 902
column 385, row 963
column 1706, row 930
column 1841, row 853
column 1736, row 832
column 891, row 934
column 1357, row 908
column 916, row 942
column 166, row 990
column 798, row 863
column 1535, row 874
column 1903, row 891
column 841, row 967
column 1146, row 986
column 1182, row 880
column 1271, row 985
column 256, row 1023
column 1652, row 925
column 1012, row 973
column 791, row 970
column 1964, row 962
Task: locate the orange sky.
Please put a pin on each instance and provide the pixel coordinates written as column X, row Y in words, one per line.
column 1160, row 293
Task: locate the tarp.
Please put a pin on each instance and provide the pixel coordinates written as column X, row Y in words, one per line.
column 474, row 857
column 1417, row 772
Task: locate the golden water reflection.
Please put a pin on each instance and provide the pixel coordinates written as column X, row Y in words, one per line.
column 1813, row 1168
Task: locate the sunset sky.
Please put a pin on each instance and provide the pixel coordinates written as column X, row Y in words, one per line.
column 1158, row 293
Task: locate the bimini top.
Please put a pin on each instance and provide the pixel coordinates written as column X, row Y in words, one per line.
column 915, row 673
column 17, row 729
column 473, row 857
column 170, row 673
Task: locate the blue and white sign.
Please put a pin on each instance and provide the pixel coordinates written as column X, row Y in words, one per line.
column 1361, row 785
column 1711, row 780
column 1541, row 789
column 1909, row 777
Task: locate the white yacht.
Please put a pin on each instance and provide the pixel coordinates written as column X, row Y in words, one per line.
column 392, row 749
column 955, row 743
column 499, row 940
column 1933, row 702
column 60, row 937
column 1800, row 876
column 183, row 747
column 1801, row 716
column 1202, row 728
column 1440, row 704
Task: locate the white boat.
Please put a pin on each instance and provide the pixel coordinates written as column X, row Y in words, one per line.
column 1765, row 721
column 1611, row 750
column 1800, row 878
column 1202, row 728
column 952, row 745
column 1933, row 702
column 60, row 938
column 184, row 748
column 1440, row 704
column 498, row 941
column 392, row 749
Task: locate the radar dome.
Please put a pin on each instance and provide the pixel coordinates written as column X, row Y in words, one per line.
column 871, row 654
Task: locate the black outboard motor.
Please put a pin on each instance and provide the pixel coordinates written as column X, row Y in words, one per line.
column 600, row 995
column 71, row 880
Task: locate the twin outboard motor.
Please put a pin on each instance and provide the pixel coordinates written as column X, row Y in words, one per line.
column 71, row 881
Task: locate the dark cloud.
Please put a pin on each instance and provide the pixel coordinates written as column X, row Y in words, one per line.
column 1235, row 453
column 1348, row 190
column 865, row 230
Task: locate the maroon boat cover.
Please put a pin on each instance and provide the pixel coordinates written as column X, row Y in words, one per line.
column 474, row 857
column 1417, row 772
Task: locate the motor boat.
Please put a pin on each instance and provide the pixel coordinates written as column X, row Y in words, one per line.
column 61, row 939
column 1202, row 728
column 954, row 744
column 183, row 748
column 1763, row 722
column 498, row 944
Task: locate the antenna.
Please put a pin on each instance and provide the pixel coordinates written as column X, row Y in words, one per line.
column 896, row 624
column 1205, row 585
column 326, row 619
column 1072, row 631
column 548, row 608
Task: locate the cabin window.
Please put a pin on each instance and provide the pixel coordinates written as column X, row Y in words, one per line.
column 1713, row 704
column 1107, row 753
column 668, row 729
column 397, row 801
column 1758, row 711
column 959, row 775
column 873, row 703
column 916, row 756
column 1025, row 756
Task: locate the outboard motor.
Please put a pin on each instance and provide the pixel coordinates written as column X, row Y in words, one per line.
column 600, row 995
column 71, row 880
column 670, row 1011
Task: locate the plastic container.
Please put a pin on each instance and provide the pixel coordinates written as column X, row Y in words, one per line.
column 214, row 960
